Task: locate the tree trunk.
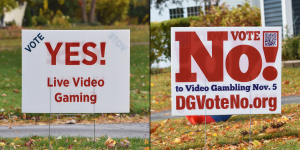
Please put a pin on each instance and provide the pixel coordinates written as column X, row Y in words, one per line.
column 83, row 11
column 148, row 4
column 92, row 11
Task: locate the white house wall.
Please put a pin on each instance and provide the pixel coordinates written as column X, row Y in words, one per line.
column 165, row 14
column 16, row 14
column 287, row 17
column 232, row 3
column 277, row 13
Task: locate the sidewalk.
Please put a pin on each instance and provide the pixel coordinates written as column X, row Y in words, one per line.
column 121, row 130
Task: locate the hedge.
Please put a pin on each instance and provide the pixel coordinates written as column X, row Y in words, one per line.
column 160, row 36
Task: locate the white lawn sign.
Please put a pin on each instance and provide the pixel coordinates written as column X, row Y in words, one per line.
column 226, row 70
column 75, row 71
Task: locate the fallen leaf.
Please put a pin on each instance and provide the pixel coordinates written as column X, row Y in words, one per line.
column 17, row 146
column 111, row 144
column 17, row 139
column 256, row 143
column 70, row 146
column 286, row 82
column 16, row 90
column 146, row 148
column 71, row 121
column 29, row 143
column 4, row 95
column 177, row 140
column 146, row 141
column 9, row 127
column 107, row 141
column 154, row 130
column 111, row 117
column 271, row 130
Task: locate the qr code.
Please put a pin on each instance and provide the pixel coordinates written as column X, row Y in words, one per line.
column 270, row 39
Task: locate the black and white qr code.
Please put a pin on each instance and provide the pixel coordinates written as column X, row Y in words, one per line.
column 270, row 39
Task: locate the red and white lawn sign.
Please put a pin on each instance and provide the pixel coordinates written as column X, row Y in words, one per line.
column 75, row 71
column 227, row 70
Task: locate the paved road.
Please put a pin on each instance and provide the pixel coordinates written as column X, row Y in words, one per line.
column 167, row 114
column 111, row 130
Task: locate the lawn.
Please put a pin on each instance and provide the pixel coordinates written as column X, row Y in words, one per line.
column 161, row 87
column 160, row 92
column 64, row 143
column 12, row 37
column 180, row 134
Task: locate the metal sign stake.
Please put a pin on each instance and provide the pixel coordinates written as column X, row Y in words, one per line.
column 205, row 117
column 250, row 116
column 50, row 117
column 94, row 124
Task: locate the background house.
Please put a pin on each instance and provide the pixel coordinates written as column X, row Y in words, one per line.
column 273, row 12
column 190, row 8
column 281, row 13
column 16, row 14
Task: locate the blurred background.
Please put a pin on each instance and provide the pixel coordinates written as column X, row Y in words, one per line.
column 16, row 15
column 29, row 13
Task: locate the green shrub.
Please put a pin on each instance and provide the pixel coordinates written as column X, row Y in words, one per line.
column 244, row 15
column 291, row 48
column 39, row 21
column 27, row 22
column 110, row 11
column 60, row 20
column 217, row 16
column 160, row 36
column 11, row 23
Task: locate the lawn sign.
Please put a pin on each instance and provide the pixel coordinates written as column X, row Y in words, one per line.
column 75, row 71
column 226, row 70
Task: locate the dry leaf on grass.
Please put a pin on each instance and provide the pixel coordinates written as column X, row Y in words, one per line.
column 154, row 130
column 271, row 130
column 286, row 82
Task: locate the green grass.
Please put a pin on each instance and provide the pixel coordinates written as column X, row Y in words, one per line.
column 160, row 92
column 64, row 142
column 292, row 87
column 12, row 37
column 225, row 134
column 10, row 42
column 11, row 79
column 139, row 80
column 160, row 100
